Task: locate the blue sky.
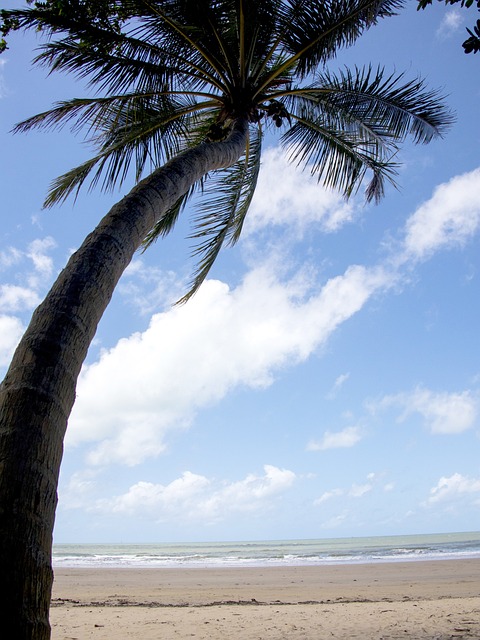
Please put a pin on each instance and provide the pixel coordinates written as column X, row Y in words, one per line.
column 325, row 380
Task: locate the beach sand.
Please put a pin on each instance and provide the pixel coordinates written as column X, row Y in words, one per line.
column 426, row 599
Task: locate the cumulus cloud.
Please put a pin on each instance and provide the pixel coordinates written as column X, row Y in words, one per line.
column 14, row 298
column 453, row 487
column 154, row 382
column 11, row 330
column 286, row 195
column 196, row 497
column 192, row 356
column 23, row 296
column 447, row 219
column 443, row 412
column 348, row 437
column 154, row 499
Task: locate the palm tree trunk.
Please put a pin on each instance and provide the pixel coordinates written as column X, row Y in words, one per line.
column 38, row 392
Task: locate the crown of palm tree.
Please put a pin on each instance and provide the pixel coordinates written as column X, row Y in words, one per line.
column 175, row 73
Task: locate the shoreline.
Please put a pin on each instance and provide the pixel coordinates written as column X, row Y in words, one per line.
column 432, row 599
column 418, row 580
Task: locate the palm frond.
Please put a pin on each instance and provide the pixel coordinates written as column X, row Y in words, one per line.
column 338, row 159
column 266, row 38
column 312, row 32
column 258, row 37
column 351, row 123
column 131, row 63
column 221, row 216
column 195, row 27
column 69, row 182
column 170, row 74
column 388, row 103
column 115, row 53
column 94, row 113
column 249, row 176
column 136, row 137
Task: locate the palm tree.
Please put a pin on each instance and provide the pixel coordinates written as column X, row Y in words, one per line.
column 186, row 90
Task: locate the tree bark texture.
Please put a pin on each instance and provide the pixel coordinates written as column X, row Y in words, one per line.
column 38, row 392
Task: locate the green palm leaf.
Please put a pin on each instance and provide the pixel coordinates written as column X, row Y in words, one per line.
column 394, row 107
column 351, row 123
column 145, row 133
column 313, row 32
column 222, row 211
column 169, row 74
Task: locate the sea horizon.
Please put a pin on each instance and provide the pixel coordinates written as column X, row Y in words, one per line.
column 265, row 553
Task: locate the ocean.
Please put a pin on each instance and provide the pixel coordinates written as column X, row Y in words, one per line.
column 270, row 553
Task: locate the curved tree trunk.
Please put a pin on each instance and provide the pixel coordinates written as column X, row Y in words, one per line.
column 38, row 392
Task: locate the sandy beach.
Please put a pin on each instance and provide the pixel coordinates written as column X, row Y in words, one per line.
column 429, row 599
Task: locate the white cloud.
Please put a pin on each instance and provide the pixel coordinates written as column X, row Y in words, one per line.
column 452, row 487
column 37, row 252
column 18, row 298
column 15, row 298
column 285, row 195
column 443, row 413
column 149, row 289
column 337, row 385
column 255, row 487
column 42, row 262
column 340, row 381
column 195, row 497
column 77, row 493
column 154, row 382
column 448, row 219
column 359, row 490
column 450, row 24
column 187, row 358
column 348, row 437
column 10, row 257
column 154, row 499
column 355, row 490
column 334, row 522
column 11, row 330
column 328, row 495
